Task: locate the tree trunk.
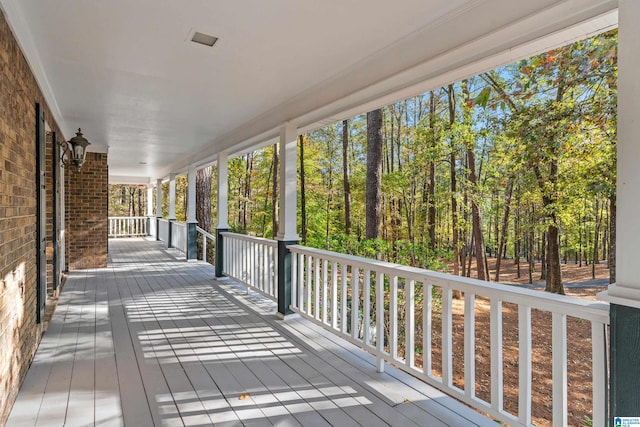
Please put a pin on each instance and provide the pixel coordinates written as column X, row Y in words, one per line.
column 246, row 196
column 554, row 268
column 470, row 251
column 274, row 194
column 203, row 198
column 612, row 237
column 477, row 222
column 266, row 203
column 303, row 194
column 579, row 254
column 132, row 201
column 432, row 177
column 544, row 262
column 596, row 232
column 497, row 235
column 491, row 226
column 554, row 273
column 517, row 239
column 549, row 202
column 395, row 203
column 374, row 174
column 553, row 234
column 329, row 195
column 605, row 233
column 452, row 175
column 505, row 225
column 203, row 206
column 530, row 257
column 346, row 177
column 476, row 219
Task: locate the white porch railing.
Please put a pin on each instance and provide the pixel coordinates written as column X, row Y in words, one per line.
column 127, row 226
column 207, row 240
column 152, row 226
column 179, row 236
column 393, row 311
column 163, row 230
column 252, row 261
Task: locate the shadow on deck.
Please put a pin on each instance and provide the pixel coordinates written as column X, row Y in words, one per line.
column 154, row 340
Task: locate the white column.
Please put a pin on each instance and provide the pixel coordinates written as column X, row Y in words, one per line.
column 172, row 196
column 191, row 194
column 149, row 200
column 223, row 191
column 626, row 290
column 624, row 295
column 159, row 198
column 287, row 230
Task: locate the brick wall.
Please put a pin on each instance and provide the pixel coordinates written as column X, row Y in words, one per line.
column 19, row 333
column 86, row 223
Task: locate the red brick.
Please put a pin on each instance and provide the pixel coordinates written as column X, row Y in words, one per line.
column 19, row 332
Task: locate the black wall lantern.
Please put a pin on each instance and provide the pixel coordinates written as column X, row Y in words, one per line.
column 74, row 151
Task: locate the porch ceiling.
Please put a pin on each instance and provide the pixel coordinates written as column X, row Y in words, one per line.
column 126, row 72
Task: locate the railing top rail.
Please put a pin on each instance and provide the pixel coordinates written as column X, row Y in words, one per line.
column 128, row 217
column 205, row 233
column 250, row 238
column 571, row 306
column 179, row 224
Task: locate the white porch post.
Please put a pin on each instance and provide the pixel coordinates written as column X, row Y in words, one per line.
column 223, row 191
column 624, row 295
column 287, row 231
column 149, row 199
column 158, row 207
column 223, row 210
column 191, row 194
column 626, row 290
column 150, row 218
column 191, row 214
column 172, row 207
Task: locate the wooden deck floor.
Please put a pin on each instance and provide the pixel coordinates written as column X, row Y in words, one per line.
column 152, row 340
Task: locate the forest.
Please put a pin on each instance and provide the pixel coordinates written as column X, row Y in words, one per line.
column 517, row 164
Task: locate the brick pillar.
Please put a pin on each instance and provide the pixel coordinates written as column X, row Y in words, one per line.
column 86, row 198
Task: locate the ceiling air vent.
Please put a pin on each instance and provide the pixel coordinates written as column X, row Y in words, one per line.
column 204, row 39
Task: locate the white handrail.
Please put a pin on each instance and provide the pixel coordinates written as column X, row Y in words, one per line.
column 127, row 226
column 252, row 261
column 347, row 296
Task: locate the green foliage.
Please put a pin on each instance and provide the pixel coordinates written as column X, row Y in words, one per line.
column 127, row 200
column 586, row 422
column 558, row 107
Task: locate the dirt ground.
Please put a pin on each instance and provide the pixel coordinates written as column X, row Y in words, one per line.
column 579, row 347
column 571, row 272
